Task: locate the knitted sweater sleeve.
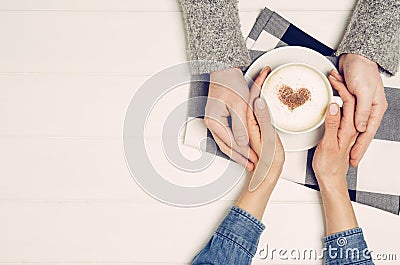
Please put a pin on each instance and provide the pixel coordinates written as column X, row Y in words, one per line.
column 214, row 35
column 373, row 32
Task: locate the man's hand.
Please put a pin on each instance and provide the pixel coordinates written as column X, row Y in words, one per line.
column 364, row 82
column 228, row 97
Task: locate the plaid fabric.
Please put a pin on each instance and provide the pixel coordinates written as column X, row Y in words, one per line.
column 376, row 182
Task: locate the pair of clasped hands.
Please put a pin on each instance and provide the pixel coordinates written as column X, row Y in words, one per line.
column 330, row 162
column 361, row 84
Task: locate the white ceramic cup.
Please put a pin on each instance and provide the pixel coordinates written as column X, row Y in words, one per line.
column 317, row 128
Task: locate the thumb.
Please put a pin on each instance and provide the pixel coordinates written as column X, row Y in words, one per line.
column 332, row 123
column 363, row 111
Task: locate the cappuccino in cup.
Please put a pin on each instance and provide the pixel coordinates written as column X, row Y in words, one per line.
column 297, row 96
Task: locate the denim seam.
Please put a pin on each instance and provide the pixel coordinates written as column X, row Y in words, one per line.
column 345, row 233
column 234, row 242
column 339, row 236
column 248, row 217
column 364, row 262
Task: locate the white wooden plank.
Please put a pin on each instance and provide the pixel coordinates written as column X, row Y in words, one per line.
column 285, row 191
column 77, row 105
column 300, row 228
column 130, row 232
column 99, row 232
column 66, row 196
column 380, row 155
column 165, row 5
column 90, row 42
column 175, row 103
column 62, row 169
column 315, row 5
column 393, row 81
column 65, row 105
column 381, row 230
column 94, row 169
column 90, row 263
column 132, row 42
column 82, row 41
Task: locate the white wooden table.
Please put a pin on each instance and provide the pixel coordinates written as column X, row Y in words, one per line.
column 68, row 69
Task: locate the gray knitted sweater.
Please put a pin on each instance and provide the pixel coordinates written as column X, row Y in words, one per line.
column 213, row 30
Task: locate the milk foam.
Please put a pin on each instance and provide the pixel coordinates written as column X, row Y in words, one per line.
column 305, row 116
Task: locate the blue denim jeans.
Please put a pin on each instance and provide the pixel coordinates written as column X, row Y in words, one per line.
column 236, row 239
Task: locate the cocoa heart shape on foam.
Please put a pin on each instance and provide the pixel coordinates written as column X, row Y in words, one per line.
column 293, row 98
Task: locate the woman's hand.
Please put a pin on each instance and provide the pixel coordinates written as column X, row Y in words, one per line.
column 264, row 141
column 263, row 137
column 331, row 160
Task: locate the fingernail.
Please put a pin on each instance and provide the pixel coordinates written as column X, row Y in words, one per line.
column 334, row 78
column 353, row 163
column 260, row 103
column 362, row 125
column 333, row 109
column 335, row 71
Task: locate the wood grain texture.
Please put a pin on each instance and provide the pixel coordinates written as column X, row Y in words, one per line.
column 165, row 5
column 68, row 69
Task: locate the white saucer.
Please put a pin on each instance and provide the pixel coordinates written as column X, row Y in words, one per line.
column 293, row 54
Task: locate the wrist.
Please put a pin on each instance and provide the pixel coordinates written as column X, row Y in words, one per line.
column 335, row 190
column 358, row 57
column 255, row 201
column 332, row 182
column 335, row 194
column 226, row 70
column 339, row 213
column 270, row 180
